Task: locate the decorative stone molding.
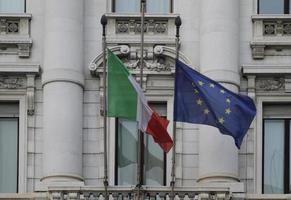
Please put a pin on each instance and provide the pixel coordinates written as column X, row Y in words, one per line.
column 126, row 29
column 267, row 78
column 271, row 84
column 133, row 26
column 24, row 81
column 272, row 35
column 8, row 82
column 15, row 34
column 144, row 193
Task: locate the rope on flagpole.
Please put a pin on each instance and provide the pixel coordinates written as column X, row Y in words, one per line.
column 178, row 23
column 105, row 181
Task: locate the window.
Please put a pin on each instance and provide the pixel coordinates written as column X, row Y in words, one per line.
column 8, row 147
column 133, row 6
column 12, row 6
column 273, row 6
column 276, row 149
column 127, row 155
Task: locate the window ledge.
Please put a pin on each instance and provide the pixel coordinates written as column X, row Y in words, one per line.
column 265, row 69
column 137, row 15
column 19, row 68
column 270, row 17
column 15, row 15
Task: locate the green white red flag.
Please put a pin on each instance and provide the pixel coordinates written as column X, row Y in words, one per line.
column 127, row 100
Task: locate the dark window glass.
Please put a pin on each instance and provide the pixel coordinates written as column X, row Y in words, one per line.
column 154, row 159
column 274, row 131
column 276, row 154
column 273, row 7
column 133, row 6
column 9, row 147
column 12, row 6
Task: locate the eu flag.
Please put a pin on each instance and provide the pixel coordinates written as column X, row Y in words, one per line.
column 198, row 99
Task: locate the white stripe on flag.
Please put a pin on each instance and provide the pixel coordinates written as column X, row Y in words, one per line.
column 144, row 112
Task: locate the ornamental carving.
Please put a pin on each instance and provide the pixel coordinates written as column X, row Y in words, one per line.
column 277, row 28
column 11, row 83
column 271, row 84
column 133, row 26
column 9, row 26
column 156, row 65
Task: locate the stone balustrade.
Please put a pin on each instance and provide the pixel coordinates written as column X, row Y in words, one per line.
column 132, row 193
column 271, row 36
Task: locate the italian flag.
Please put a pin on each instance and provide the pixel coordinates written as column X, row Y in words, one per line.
column 127, row 100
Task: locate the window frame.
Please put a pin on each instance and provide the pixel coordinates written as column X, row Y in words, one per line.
column 113, row 6
column 286, row 8
column 168, row 101
column 286, row 149
column 17, row 145
column 257, row 125
column 143, row 158
column 22, row 138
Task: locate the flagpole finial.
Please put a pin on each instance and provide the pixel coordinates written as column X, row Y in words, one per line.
column 178, row 21
column 143, row 1
column 103, row 20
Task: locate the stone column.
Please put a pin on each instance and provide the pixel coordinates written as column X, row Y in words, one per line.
column 219, row 51
column 63, row 81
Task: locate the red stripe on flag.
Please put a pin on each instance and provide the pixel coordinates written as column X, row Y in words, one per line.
column 157, row 127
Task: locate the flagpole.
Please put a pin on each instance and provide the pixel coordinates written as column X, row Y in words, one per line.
column 105, row 181
column 178, row 23
column 140, row 143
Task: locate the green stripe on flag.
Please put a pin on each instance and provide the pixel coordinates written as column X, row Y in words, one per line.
column 122, row 98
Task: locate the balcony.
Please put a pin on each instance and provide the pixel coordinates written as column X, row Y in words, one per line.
column 146, row 193
column 271, row 36
column 15, row 34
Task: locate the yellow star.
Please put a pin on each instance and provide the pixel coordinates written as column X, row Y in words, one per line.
column 206, row 111
column 222, row 91
column 227, row 111
column 199, row 102
column 228, row 100
column 211, row 85
column 196, row 91
column 200, row 83
column 221, row 120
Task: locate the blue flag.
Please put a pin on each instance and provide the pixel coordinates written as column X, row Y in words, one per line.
column 198, row 99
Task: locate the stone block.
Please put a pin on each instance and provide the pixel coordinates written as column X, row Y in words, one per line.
column 190, row 160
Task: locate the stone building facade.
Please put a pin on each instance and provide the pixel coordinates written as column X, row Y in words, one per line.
column 51, row 129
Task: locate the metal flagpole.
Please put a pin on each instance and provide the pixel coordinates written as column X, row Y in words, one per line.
column 178, row 23
column 140, row 144
column 105, row 181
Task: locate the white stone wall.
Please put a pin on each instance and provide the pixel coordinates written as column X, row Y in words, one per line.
column 246, row 153
column 93, row 148
column 187, row 135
